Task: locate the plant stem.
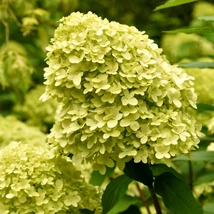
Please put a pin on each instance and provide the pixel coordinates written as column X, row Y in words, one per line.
column 143, row 198
column 190, row 175
column 155, row 200
column 6, row 31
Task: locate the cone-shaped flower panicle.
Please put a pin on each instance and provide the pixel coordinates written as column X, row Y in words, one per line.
column 121, row 99
column 32, row 181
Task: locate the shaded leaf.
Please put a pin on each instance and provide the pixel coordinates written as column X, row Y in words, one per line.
column 176, row 194
column 139, row 172
column 85, row 211
column 207, row 140
column 173, row 3
column 114, row 191
column 158, row 169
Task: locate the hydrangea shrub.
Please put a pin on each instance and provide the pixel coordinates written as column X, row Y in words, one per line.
column 120, row 98
column 33, row 180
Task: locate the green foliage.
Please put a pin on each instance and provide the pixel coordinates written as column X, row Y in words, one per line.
column 115, row 191
column 139, row 172
column 173, row 3
column 126, row 205
column 197, row 65
column 198, row 156
column 97, row 179
column 176, row 194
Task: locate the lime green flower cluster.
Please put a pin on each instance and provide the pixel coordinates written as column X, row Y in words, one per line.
column 33, row 180
column 211, row 125
column 15, row 68
column 35, row 111
column 203, row 84
column 12, row 129
column 203, row 8
column 204, row 190
column 121, row 99
column 190, row 46
column 204, row 87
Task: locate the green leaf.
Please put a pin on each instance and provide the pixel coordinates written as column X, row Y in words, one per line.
column 206, row 18
column 158, row 169
column 114, row 191
column 173, row 3
column 132, row 209
column 197, row 65
column 206, row 140
column 204, row 179
column 207, row 212
column 139, row 172
column 198, row 156
column 123, row 204
column 176, row 194
column 209, row 208
column 205, row 107
column 97, row 178
column 86, row 211
column 201, row 30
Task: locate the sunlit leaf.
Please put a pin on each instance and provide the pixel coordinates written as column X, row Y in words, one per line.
column 97, row 178
column 132, row 209
column 173, row 3
column 204, row 179
column 201, row 30
column 124, row 203
column 209, row 208
column 206, row 18
column 197, row 65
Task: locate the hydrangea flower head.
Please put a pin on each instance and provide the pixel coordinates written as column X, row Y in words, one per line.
column 12, row 129
column 120, row 98
column 204, row 87
column 36, row 112
column 31, row 181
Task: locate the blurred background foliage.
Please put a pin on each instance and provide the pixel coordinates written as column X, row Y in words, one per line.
column 27, row 26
